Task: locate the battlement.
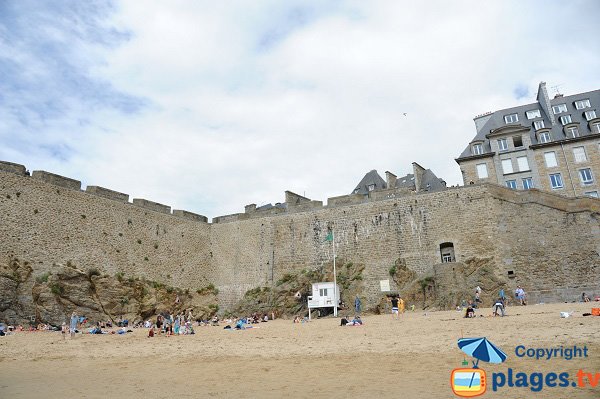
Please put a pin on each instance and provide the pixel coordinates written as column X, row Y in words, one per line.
column 13, row 168
column 73, row 184
column 153, row 206
column 56, row 180
column 106, row 193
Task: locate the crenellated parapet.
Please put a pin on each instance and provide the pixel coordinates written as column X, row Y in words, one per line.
column 73, row 184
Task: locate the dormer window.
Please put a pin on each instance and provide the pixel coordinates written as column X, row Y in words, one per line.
column 512, row 118
column 356, row 190
column 572, row 132
column 544, row 137
column 589, row 115
column 535, row 113
column 566, row 119
column 537, row 125
column 371, row 187
column 557, row 109
column 581, row 104
column 477, row 149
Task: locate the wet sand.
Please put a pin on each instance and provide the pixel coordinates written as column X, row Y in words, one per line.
column 410, row 357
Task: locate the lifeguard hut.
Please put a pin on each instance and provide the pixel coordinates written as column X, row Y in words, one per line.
column 324, row 296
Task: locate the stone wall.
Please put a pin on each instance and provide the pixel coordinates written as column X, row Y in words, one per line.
column 551, row 244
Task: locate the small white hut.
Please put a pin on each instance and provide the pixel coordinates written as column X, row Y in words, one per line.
column 323, row 296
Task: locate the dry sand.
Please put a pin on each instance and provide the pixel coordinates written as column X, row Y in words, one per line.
column 410, row 358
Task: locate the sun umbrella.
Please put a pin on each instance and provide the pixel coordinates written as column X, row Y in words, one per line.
column 481, row 349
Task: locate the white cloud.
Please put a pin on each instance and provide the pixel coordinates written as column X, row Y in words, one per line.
column 246, row 101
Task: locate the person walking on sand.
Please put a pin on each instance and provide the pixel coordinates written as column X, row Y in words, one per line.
column 73, row 325
column 394, row 301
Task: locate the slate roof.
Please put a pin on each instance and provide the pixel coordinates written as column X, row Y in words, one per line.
column 370, row 178
column 496, row 120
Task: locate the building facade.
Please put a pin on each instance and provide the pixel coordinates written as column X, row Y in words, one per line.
column 551, row 145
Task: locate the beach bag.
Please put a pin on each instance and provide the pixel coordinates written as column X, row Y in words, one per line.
column 595, row 311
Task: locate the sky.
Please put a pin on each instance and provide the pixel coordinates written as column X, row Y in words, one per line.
column 209, row 106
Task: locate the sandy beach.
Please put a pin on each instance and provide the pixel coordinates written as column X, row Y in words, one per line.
column 409, row 357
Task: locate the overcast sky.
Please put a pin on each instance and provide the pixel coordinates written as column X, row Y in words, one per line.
column 208, row 106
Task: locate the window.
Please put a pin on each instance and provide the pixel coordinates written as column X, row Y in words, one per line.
column 550, row 158
column 482, row 172
column 535, row 113
column 557, row 109
column 477, row 149
column 523, row 164
column 545, row 137
column 356, row 190
column 512, row 118
column 589, row 115
column 556, row 181
column 581, row 104
column 593, row 194
column 537, row 125
column 371, row 187
column 527, row 183
column 502, row 145
column 572, row 132
column 579, row 154
column 511, row 184
column 323, row 292
column 595, row 128
column 447, row 252
column 518, row 141
column 585, row 175
column 565, row 119
column 507, row 166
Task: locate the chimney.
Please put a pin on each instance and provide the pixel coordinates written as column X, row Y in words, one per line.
column 390, row 179
column 250, row 208
column 558, row 95
column 544, row 102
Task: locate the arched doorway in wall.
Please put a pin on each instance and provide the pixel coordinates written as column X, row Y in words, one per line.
column 447, row 252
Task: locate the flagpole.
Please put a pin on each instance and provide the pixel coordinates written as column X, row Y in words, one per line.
column 335, row 298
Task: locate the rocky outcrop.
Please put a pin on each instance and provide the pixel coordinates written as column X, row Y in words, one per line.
column 52, row 296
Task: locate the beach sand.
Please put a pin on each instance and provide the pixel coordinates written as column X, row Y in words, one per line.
column 411, row 357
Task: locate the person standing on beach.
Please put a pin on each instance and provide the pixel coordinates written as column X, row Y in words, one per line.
column 73, row 325
column 394, row 301
column 400, row 305
column 357, row 304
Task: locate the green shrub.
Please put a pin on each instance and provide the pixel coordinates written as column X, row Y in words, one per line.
column 42, row 278
column 119, row 276
column 57, row 289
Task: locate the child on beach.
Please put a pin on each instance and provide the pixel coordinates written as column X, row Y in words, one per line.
column 63, row 330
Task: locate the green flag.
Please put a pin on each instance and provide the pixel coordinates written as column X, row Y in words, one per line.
column 329, row 237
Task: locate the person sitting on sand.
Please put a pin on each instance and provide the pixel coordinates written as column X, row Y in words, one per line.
column 240, row 325
column 151, row 332
column 356, row 321
column 584, row 297
column 470, row 312
column 344, row 321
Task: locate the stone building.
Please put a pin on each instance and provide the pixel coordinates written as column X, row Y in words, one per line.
column 552, row 145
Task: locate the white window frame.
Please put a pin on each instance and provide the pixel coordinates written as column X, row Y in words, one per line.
column 579, row 154
column 512, row 184
column 589, row 115
column 566, row 119
column 523, row 164
column 586, row 177
column 482, row 171
column 595, row 128
column 477, row 149
column 545, row 137
column 507, row 166
column 512, row 118
column 593, row 194
column 527, row 183
column 537, row 125
column 550, row 159
column 573, row 132
column 559, row 108
column 558, row 180
column 502, row 145
column 371, row 187
column 581, row 104
column 534, row 113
